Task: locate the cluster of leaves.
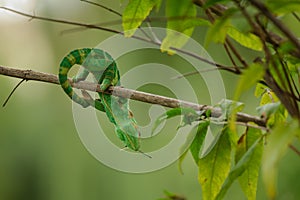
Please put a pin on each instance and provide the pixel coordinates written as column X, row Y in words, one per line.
column 275, row 74
column 233, row 156
column 215, row 171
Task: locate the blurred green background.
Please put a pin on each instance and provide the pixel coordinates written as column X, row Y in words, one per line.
column 41, row 155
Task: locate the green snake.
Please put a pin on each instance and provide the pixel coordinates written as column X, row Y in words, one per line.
column 104, row 69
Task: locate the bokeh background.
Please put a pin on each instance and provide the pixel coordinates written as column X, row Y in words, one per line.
column 41, row 155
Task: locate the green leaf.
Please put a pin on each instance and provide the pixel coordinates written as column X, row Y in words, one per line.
column 250, row 144
column 283, row 7
column 217, row 32
column 260, row 90
column 268, row 109
column 189, row 115
column 215, row 166
column 247, row 167
column 229, row 109
column 158, row 5
column 135, row 13
column 249, row 78
column 267, row 96
column 248, row 40
column 276, row 148
column 199, row 139
column 194, row 141
column 171, row 196
column 180, row 26
column 228, row 106
column 275, row 113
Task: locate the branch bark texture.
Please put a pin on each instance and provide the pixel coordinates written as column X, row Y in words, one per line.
column 127, row 93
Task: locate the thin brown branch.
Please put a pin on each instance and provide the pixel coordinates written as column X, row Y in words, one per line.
column 292, row 147
column 12, row 92
column 102, row 6
column 127, row 93
column 265, row 11
column 93, row 26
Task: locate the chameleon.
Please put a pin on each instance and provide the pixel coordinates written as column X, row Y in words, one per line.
column 104, row 69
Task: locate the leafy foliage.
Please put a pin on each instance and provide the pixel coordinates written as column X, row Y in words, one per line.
column 249, row 152
column 274, row 72
column 215, row 166
column 278, row 142
column 186, row 12
column 135, row 13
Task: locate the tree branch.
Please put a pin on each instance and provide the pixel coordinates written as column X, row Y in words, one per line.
column 127, row 93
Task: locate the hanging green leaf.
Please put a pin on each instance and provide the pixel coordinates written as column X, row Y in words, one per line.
column 180, row 26
column 135, row 13
column 249, row 78
column 277, row 145
column 194, row 141
column 199, row 139
column 250, row 144
column 243, row 168
column 215, row 166
column 248, row 40
column 184, row 149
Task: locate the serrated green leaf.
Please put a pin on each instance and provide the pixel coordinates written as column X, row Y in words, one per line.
column 249, row 78
column 181, row 18
column 135, row 13
column 250, row 144
column 243, row 168
column 277, row 144
column 218, row 31
column 248, row 40
column 215, row 166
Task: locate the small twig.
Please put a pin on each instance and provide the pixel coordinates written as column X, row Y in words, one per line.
column 292, row 147
column 11, row 93
column 236, row 53
column 92, row 26
column 198, row 72
column 127, row 93
column 102, row 6
column 265, row 11
column 296, row 16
